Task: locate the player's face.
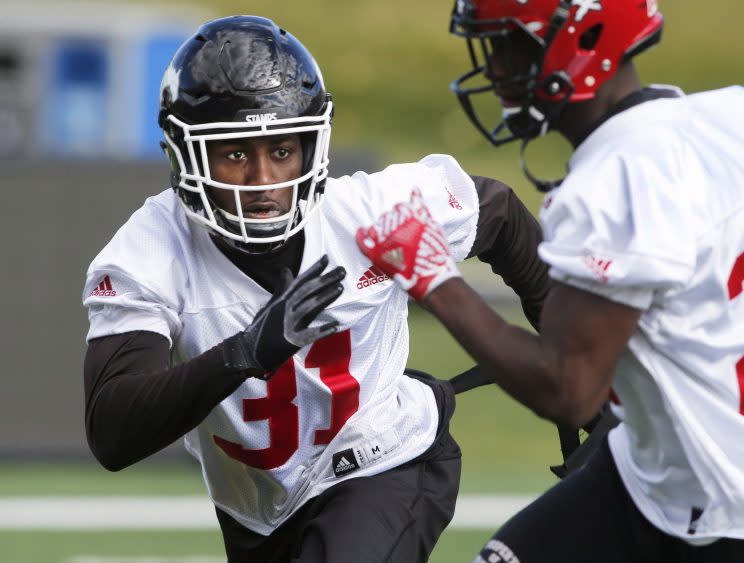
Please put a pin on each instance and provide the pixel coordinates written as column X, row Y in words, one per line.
column 256, row 162
column 510, row 58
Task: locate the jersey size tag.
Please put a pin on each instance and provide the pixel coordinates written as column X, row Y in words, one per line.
column 380, row 446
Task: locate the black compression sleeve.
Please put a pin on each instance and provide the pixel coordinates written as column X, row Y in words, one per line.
column 507, row 238
column 135, row 404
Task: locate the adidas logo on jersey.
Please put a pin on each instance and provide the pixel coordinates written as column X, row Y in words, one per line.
column 104, row 288
column 371, row 277
column 453, row 201
column 598, row 266
column 343, row 465
column 344, row 462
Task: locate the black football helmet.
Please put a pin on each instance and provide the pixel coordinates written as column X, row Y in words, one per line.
column 244, row 77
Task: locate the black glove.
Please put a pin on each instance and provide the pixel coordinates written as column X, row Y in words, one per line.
column 281, row 327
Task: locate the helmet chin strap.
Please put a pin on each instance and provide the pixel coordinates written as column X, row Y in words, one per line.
column 542, row 185
column 254, row 248
column 563, row 82
column 635, row 98
column 262, row 230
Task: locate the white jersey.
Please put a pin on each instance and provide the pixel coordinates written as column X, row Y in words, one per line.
column 341, row 407
column 652, row 215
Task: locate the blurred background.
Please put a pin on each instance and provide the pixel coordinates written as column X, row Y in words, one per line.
column 79, row 153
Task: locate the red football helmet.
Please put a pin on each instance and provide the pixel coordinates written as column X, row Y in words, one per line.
column 538, row 55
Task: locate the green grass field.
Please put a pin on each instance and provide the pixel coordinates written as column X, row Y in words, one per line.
column 182, row 547
column 506, row 449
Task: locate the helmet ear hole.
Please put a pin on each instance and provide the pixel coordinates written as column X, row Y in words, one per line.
column 589, row 38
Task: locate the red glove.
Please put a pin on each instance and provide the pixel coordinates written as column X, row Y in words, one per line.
column 409, row 246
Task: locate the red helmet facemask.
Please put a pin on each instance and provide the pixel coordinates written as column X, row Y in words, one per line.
column 539, row 55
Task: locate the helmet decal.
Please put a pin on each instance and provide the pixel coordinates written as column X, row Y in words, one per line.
column 170, row 81
column 584, row 6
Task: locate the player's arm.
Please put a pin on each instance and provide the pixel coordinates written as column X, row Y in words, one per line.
column 507, row 238
column 563, row 374
column 136, row 404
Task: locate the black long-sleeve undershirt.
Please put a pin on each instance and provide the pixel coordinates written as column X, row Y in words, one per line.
column 136, row 404
column 507, row 237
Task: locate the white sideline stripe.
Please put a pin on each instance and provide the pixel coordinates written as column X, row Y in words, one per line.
column 487, row 511
column 191, row 513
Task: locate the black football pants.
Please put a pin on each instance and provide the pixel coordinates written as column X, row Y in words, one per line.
column 590, row 518
column 395, row 516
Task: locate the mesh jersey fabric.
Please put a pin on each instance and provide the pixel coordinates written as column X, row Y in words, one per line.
column 652, row 215
column 272, row 445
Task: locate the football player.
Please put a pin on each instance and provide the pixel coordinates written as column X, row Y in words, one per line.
column 234, row 309
column 645, row 243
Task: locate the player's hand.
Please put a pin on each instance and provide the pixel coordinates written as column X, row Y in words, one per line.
column 282, row 326
column 409, row 246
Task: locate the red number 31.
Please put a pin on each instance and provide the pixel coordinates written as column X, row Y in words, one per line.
column 735, row 288
column 332, row 355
